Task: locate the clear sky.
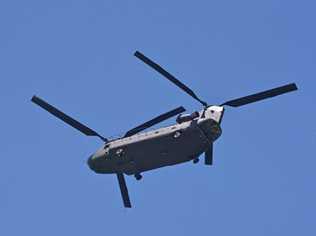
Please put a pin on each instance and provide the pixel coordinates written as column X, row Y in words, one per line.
column 78, row 55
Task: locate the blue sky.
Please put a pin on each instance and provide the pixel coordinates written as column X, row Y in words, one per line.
column 78, row 55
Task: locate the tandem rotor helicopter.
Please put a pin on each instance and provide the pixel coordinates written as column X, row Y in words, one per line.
column 137, row 151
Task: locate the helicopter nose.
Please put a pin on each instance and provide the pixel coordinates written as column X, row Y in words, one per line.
column 90, row 162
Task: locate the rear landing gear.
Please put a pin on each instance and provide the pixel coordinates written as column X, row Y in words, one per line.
column 196, row 160
column 138, row 176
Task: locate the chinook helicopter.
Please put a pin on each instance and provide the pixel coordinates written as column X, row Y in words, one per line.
column 137, row 151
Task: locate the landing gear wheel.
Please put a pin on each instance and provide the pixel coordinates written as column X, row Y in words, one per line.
column 138, row 176
column 196, row 160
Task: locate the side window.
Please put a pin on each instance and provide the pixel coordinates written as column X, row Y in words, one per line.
column 177, row 134
column 119, row 152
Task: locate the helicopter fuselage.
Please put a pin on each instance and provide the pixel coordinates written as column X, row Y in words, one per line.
column 161, row 147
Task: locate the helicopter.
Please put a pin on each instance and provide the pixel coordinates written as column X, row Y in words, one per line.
column 138, row 151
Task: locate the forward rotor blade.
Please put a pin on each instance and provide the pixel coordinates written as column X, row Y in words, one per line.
column 209, row 156
column 170, row 77
column 124, row 190
column 67, row 119
column 155, row 121
column 261, row 96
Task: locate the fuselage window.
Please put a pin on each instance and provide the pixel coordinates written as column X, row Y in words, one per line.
column 177, row 134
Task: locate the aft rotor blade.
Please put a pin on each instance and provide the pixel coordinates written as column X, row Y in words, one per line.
column 67, row 119
column 124, row 190
column 261, row 96
column 209, row 156
column 170, row 77
column 155, row 121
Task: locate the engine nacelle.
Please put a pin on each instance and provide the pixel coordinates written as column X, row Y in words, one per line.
column 187, row 117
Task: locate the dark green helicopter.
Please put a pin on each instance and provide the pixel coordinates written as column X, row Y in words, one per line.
column 137, row 151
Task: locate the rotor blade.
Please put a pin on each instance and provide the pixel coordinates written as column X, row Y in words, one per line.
column 209, row 156
column 261, row 96
column 155, row 121
column 124, row 190
column 70, row 121
column 170, row 77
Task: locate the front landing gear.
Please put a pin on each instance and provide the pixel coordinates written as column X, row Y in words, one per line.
column 138, row 176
